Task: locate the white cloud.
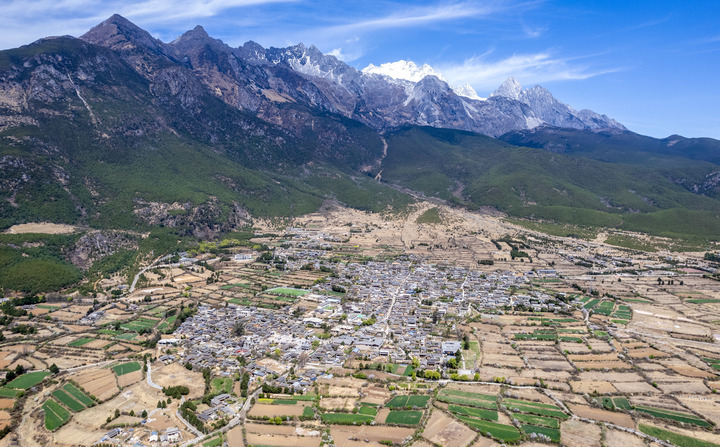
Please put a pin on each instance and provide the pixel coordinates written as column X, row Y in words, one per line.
column 420, row 16
column 528, row 69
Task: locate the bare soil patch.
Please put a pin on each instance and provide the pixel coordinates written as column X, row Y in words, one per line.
column 260, row 410
column 443, row 430
column 42, row 227
column 130, row 378
column 574, row 432
column 280, row 440
column 176, row 374
column 98, row 382
column 7, row 403
column 590, row 386
column 342, row 433
column 597, row 414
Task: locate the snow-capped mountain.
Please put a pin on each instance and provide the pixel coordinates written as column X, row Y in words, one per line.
column 262, row 81
column 409, row 71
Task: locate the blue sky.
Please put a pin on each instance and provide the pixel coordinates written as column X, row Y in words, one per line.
column 651, row 65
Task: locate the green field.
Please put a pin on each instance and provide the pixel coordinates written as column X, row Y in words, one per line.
column 552, row 433
column 7, row 392
column 534, row 408
column 55, row 415
column 702, row 301
column 408, row 401
column 308, row 412
column 222, row 385
column 490, row 415
column 287, row 291
column 126, row 368
column 126, row 336
column 675, row 438
column 368, row 411
column 408, row 371
column 284, row 402
column 68, row 401
column 537, row 420
column 404, row 417
column 28, row 380
column 673, row 415
column 80, row 341
column 622, row 403
column 78, row 394
column 346, row 418
column 214, row 442
column 505, row 433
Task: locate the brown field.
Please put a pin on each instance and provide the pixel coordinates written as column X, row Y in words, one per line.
column 260, row 410
column 235, row 437
column 691, row 371
column 281, row 441
column 590, row 386
column 695, row 386
column 603, row 365
column 338, row 403
column 703, row 405
column 130, row 378
column 341, row 433
column 99, row 382
column 329, row 390
column 176, row 374
column 597, row 414
column 97, row 344
column 578, row 433
column 252, row 427
column 7, row 403
column 4, row 419
column 617, row 437
column 443, row 430
column 645, row 352
column 42, row 227
column 592, row 357
column 635, row 387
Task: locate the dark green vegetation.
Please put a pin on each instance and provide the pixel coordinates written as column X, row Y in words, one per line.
column 673, row 415
column 55, row 415
column 126, row 368
column 535, row 183
column 505, row 433
column 28, row 380
column 431, row 216
column 137, row 144
column 410, row 417
column 468, row 398
column 408, row 401
column 346, row 418
column 675, row 438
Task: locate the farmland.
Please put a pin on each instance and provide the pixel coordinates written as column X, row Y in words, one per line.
column 126, row 368
column 28, row 380
column 55, row 415
column 408, row 401
column 404, row 417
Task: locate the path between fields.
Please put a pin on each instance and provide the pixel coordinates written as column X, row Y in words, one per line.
column 149, row 379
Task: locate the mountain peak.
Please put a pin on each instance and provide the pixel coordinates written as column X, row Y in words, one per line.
column 511, row 88
column 119, row 33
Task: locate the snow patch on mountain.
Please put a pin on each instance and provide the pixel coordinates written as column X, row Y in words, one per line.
column 409, row 71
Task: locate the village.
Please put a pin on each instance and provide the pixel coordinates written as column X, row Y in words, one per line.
column 339, row 331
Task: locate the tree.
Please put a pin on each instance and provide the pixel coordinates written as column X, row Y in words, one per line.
column 144, row 414
column 239, row 329
column 415, row 362
column 54, row 369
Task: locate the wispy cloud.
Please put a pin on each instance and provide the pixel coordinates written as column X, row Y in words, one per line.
column 529, row 69
column 421, row 16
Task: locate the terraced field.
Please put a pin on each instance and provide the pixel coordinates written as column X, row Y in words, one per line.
column 55, row 415
column 28, row 380
column 673, row 415
column 505, row 433
column 126, row 368
column 408, row 401
column 410, row 417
